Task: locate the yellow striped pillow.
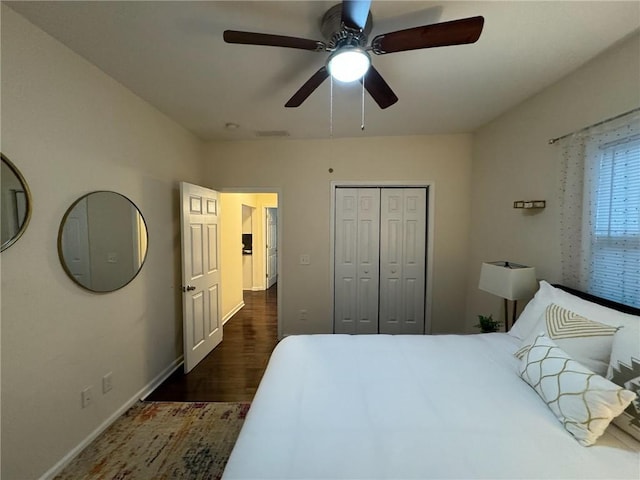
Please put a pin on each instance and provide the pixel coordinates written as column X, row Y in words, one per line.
column 563, row 323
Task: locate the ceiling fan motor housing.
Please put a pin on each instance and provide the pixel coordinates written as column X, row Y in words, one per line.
column 339, row 35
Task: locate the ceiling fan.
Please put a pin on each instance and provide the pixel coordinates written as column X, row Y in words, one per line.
column 346, row 27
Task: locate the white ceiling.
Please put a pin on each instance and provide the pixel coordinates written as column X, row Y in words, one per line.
column 172, row 55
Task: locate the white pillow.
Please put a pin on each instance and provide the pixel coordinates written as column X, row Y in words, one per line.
column 624, row 370
column 548, row 294
column 587, row 341
column 592, row 310
column 584, row 402
column 529, row 317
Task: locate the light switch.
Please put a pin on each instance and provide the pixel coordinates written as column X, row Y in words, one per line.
column 112, row 257
column 305, row 259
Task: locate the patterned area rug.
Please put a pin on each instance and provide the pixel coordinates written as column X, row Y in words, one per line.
column 162, row 440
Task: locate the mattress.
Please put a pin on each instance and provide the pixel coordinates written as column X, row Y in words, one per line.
column 411, row 407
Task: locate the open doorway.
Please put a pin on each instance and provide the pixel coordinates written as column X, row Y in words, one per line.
column 251, row 222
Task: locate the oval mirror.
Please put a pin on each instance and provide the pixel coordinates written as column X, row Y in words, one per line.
column 16, row 203
column 102, row 241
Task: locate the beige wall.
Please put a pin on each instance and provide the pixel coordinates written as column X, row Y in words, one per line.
column 71, row 129
column 247, row 260
column 231, row 268
column 300, row 170
column 512, row 160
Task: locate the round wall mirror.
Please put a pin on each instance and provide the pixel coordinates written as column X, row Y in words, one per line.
column 15, row 203
column 102, row 241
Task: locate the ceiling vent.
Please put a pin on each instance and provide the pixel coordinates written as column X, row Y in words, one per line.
column 272, row 133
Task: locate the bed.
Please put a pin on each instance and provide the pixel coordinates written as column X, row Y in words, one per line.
column 418, row 407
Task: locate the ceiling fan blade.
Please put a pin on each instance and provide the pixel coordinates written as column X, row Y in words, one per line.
column 251, row 38
column 355, row 13
column 308, row 88
column 455, row 32
column 379, row 90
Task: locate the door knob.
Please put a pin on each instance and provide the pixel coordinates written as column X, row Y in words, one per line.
column 188, row 288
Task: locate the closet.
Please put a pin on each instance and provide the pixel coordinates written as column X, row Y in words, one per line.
column 379, row 260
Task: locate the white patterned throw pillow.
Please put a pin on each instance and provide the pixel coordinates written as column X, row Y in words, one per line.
column 587, row 341
column 624, row 370
column 584, row 402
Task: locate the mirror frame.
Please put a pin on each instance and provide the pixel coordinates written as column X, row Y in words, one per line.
column 29, row 199
column 61, row 228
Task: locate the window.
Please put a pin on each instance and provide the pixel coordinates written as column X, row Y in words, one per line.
column 600, row 214
column 615, row 237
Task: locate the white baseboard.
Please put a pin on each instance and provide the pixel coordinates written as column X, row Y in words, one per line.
column 160, row 378
column 141, row 395
column 233, row 311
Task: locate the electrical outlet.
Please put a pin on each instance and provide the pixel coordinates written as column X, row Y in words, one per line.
column 107, row 382
column 87, row 397
column 303, row 314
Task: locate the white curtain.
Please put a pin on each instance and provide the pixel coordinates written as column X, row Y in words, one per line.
column 600, row 209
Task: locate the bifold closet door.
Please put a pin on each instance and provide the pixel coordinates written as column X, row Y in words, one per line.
column 403, row 220
column 380, row 260
column 357, row 253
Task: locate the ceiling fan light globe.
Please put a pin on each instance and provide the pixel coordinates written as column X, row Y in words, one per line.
column 348, row 64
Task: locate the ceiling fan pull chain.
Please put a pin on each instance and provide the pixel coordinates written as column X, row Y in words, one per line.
column 362, row 123
column 331, row 107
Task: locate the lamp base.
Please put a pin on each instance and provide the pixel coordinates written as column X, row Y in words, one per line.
column 506, row 314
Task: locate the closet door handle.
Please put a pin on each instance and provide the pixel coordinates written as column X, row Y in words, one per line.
column 188, row 288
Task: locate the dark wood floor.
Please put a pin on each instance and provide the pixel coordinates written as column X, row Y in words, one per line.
column 231, row 372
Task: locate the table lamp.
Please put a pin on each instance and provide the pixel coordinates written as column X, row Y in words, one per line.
column 510, row 281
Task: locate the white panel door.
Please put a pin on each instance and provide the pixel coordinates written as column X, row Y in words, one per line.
column 356, row 267
column 202, row 326
column 272, row 246
column 402, row 260
column 75, row 243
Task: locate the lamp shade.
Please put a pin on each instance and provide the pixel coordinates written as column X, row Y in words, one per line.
column 507, row 280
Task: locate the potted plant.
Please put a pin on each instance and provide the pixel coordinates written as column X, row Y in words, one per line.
column 488, row 324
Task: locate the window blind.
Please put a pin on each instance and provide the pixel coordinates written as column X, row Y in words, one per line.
column 614, row 270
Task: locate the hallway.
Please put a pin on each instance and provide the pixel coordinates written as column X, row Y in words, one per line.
column 232, row 372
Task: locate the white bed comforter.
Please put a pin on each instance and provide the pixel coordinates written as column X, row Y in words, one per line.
column 411, row 407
